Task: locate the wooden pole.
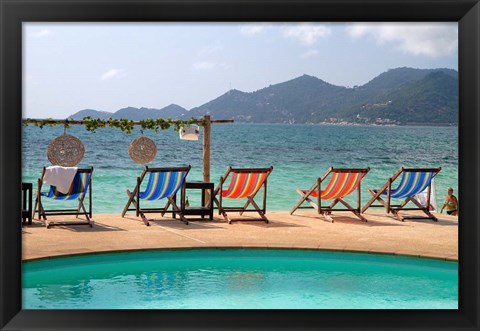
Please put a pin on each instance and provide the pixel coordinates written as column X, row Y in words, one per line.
column 206, row 149
column 206, row 154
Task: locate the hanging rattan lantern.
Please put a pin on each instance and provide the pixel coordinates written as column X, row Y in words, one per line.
column 65, row 150
column 142, row 150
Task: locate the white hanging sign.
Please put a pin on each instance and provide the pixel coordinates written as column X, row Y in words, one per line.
column 189, row 133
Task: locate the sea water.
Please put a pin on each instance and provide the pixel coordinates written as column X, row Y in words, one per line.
column 299, row 155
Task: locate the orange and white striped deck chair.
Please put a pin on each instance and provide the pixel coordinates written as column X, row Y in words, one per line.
column 244, row 183
column 342, row 183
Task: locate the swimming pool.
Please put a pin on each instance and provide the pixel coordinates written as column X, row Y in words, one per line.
column 239, row 279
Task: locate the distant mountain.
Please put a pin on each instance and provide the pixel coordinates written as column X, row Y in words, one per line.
column 296, row 100
column 136, row 114
column 91, row 113
column 398, row 96
column 433, row 99
column 394, row 78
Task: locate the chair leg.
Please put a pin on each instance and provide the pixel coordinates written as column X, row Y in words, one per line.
column 334, row 203
column 165, row 208
column 225, row 216
column 380, row 200
column 79, row 206
column 178, row 210
column 142, row 215
column 144, row 219
column 41, row 214
column 303, row 197
column 398, row 216
column 41, row 211
column 82, row 206
column 328, row 217
column 420, row 207
column 248, row 201
column 259, row 211
column 131, row 197
column 353, row 210
column 222, row 212
column 313, row 204
column 219, row 206
column 326, row 214
column 375, row 196
column 245, row 206
column 35, row 209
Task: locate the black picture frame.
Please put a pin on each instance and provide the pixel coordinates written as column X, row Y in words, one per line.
column 14, row 12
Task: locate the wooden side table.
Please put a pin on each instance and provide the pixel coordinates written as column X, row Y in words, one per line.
column 202, row 210
column 27, row 203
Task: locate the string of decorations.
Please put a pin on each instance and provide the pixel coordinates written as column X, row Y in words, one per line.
column 124, row 124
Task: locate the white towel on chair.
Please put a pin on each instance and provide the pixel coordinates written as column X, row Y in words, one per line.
column 60, row 177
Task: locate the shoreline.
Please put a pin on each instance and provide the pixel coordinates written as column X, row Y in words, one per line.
column 382, row 234
column 412, row 124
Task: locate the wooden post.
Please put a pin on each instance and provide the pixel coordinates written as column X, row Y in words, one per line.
column 206, row 154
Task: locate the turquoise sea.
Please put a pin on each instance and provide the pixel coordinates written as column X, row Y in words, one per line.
column 299, row 154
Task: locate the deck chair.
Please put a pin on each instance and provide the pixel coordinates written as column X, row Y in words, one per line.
column 81, row 187
column 162, row 183
column 410, row 182
column 244, row 183
column 342, row 183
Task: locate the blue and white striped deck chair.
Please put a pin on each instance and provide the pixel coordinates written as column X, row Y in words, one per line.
column 162, row 183
column 410, row 182
column 81, row 187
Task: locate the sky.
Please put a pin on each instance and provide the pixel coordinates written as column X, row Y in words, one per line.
column 68, row 67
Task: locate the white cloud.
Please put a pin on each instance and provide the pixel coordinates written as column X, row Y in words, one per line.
column 253, row 29
column 204, row 65
column 208, row 50
column 113, row 73
column 41, row 33
column 307, row 33
column 310, row 53
column 429, row 39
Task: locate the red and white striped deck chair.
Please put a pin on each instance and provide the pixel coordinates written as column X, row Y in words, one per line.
column 342, row 183
column 244, row 183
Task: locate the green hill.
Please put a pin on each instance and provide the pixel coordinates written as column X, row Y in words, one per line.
column 136, row 114
column 398, row 96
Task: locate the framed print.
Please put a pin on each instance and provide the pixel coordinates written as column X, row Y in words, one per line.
column 367, row 104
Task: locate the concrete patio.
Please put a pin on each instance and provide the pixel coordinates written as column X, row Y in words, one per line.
column 306, row 229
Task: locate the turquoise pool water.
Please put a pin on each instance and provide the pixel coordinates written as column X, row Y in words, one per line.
column 239, row 279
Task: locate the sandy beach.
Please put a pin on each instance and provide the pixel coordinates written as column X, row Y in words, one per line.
column 305, row 229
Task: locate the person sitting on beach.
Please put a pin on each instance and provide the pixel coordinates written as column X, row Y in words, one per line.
column 451, row 203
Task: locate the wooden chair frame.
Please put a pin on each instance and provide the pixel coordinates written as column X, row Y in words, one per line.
column 222, row 210
column 326, row 211
column 395, row 209
column 44, row 213
column 134, row 197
